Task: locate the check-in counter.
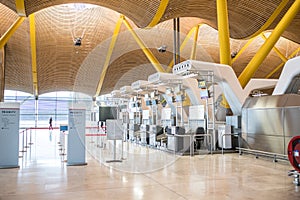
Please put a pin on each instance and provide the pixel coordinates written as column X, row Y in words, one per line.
column 155, row 131
column 177, row 141
column 125, row 131
column 133, row 129
column 144, row 134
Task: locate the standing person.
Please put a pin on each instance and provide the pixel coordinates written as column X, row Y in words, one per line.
column 50, row 124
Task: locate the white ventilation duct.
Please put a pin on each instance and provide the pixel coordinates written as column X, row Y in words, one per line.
column 290, row 70
column 226, row 79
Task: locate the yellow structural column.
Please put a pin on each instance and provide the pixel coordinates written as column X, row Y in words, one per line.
column 146, row 51
column 282, row 57
column 2, row 74
column 194, row 49
column 281, row 64
column 20, row 8
column 108, row 55
column 262, row 53
column 33, row 54
column 6, row 36
column 159, row 13
column 223, row 28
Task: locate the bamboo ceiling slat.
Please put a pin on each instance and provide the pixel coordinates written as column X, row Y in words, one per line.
column 63, row 66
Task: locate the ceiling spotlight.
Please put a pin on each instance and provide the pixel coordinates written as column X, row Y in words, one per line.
column 162, row 49
column 77, row 41
column 233, row 54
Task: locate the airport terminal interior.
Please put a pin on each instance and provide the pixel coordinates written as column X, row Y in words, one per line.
column 149, row 99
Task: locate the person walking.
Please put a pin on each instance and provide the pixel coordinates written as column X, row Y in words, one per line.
column 50, row 124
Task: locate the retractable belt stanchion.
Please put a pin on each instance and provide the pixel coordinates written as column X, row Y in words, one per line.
column 30, row 138
column 98, row 135
column 22, row 148
column 26, row 146
column 62, row 143
column 23, row 141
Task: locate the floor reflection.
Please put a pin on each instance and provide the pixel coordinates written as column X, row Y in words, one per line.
column 144, row 173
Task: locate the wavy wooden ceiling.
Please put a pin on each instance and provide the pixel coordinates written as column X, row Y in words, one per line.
column 62, row 66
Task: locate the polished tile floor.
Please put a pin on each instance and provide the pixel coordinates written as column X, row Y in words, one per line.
column 144, row 173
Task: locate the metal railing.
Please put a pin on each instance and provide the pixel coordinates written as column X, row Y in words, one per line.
column 26, row 137
column 258, row 153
